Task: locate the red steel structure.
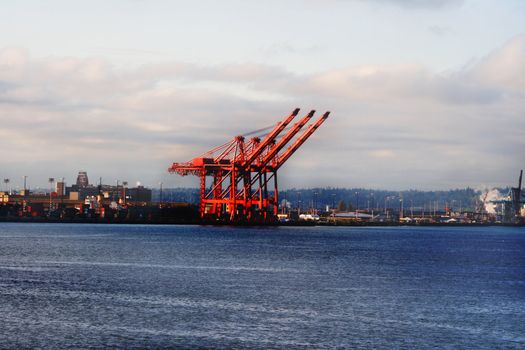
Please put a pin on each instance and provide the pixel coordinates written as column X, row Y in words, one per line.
column 242, row 170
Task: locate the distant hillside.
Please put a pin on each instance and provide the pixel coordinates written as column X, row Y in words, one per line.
column 320, row 198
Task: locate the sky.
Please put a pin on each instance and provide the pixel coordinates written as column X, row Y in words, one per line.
column 422, row 94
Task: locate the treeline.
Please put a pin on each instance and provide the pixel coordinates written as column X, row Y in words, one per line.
column 350, row 198
column 360, row 198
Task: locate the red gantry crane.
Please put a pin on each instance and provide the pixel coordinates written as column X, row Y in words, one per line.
column 241, row 172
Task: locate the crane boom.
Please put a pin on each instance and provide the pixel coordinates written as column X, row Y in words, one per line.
column 270, row 137
column 286, row 138
column 304, row 136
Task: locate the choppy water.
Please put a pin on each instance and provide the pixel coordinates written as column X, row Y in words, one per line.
column 97, row 286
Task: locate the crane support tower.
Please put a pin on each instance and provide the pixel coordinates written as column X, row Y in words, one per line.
column 241, row 171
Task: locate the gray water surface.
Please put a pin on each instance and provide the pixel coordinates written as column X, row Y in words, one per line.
column 185, row 287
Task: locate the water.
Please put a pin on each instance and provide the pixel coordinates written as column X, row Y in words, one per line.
column 95, row 286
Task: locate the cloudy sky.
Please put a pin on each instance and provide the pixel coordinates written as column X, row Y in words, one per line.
column 423, row 94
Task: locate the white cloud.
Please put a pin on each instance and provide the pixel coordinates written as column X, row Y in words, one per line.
column 504, row 68
column 391, row 125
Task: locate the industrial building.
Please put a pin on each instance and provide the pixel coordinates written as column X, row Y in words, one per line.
column 511, row 208
column 81, row 198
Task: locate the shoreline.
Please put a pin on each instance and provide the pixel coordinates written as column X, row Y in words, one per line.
column 213, row 223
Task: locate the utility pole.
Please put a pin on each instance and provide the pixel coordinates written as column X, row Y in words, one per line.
column 161, row 194
column 283, row 209
column 24, row 202
column 386, row 211
column 372, row 204
column 356, row 204
column 315, row 203
column 115, row 193
column 124, row 184
column 62, row 195
column 51, row 180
